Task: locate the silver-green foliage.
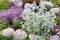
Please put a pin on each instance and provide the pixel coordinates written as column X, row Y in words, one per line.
column 38, row 20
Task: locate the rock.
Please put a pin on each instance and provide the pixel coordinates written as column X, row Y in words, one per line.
column 55, row 10
column 34, row 37
column 22, row 2
column 19, row 34
column 8, row 32
column 58, row 33
column 16, row 2
column 54, row 37
column 56, row 30
column 47, row 4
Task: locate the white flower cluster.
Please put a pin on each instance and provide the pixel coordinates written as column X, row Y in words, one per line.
column 37, row 19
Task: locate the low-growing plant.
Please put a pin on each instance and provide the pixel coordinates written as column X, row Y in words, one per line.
column 26, row 38
column 4, row 4
column 3, row 24
column 54, row 2
column 16, row 23
column 5, row 38
column 57, row 21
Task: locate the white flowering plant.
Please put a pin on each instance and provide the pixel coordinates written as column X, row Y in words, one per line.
column 38, row 21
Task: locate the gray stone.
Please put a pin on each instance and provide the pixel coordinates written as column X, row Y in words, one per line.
column 54, row 37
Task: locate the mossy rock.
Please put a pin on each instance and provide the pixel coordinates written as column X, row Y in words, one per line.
column 4, row 4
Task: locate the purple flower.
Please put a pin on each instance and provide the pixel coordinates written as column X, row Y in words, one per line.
column 11, row 13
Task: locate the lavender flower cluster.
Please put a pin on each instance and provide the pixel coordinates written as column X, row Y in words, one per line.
column 11, row 13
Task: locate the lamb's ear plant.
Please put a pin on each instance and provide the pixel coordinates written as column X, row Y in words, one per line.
column 39, row 22
column 3, row 24
column 16, row 23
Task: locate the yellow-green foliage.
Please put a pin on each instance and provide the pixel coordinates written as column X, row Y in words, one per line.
column 58, row 2
column 4, row 4
column 54, row 2
column 3, row 24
